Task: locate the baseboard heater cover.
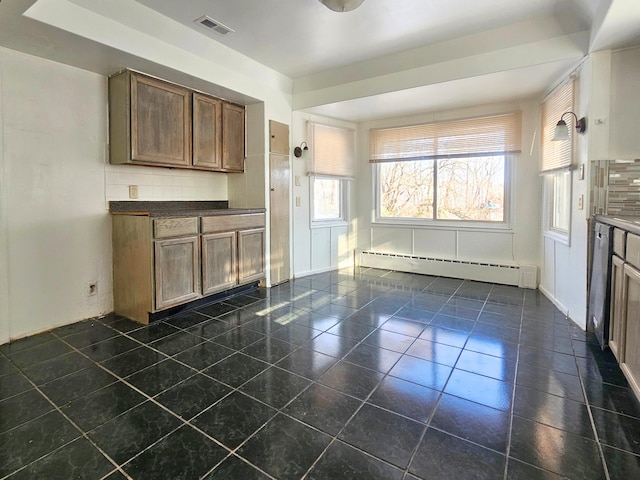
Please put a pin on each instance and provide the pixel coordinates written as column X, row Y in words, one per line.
column 524, row 276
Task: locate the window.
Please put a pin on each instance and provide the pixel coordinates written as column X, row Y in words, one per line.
column 560, row 208
column 556, row 163
column 328, row 203
column 446, row 172
column 557, row 206
column 468, row 189
column 556, row 155
column 330, row 165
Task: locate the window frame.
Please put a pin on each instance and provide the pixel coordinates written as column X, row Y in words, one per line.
column 344, row 203
column 555, row 234
column 472, row 225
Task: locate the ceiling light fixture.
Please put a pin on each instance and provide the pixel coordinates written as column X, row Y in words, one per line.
column 561, row 131
column 342, row 5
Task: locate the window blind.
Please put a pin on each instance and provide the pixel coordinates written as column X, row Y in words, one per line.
column 473, row 137
column 332, row 150
column 557, row 155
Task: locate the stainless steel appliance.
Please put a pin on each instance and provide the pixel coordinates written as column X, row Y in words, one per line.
column 600, row 282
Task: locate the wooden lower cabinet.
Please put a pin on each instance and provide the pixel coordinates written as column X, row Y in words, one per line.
column 219, row 266
column 177, row 271
column 616, row 314
column 631, row 358
column 251, row 245
column 160, row 263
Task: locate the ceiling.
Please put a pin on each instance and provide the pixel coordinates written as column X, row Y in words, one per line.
column 303, row 37
column 386, row 58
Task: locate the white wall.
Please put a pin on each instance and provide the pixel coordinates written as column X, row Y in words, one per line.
column 517, row 246
column 317, row 249
column 58, row 231
column 564, row 267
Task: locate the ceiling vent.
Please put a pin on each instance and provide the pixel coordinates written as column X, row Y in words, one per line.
column 214, row 25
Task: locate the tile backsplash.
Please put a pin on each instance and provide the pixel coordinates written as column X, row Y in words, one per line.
column 615, row 187
column 155, row 183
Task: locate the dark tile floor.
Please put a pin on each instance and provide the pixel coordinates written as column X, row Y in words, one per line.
column 369, row 374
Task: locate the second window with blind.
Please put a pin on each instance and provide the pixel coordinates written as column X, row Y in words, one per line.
column 330, row 165
column 556, row 163
column 456, row 171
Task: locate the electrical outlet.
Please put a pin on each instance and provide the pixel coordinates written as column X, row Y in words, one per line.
column 133, row 191
column 93, row 289
column 580, row 202
column 297, row 180
column 298, row 201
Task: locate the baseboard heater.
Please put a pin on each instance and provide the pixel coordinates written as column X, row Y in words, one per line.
column 525, row 276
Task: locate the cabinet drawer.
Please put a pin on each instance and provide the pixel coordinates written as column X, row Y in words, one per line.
column 225, row 223
column 175, row 227
column 633, row 250
column 619, row 242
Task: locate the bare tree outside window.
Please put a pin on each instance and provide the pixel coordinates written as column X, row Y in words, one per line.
column 468, row 189
column 326, row 199
column 406, row 189
column 471, row 189
column 560, row 202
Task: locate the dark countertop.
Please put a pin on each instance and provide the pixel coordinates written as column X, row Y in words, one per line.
column 178, row 208
column 630, row 224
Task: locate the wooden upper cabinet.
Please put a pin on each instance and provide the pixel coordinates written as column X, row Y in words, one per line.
column 232, row 137
column 157, row 123
column 207, row 132
column 160, row 121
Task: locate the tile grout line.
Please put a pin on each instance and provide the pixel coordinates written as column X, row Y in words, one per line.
column 335, row 438
column 437, row 403
column 148, row 398
column 513, row 393
column 591, row 419
column 82, row 433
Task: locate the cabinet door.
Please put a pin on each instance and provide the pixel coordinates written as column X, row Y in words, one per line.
column 616, row 315
column 232, row 137
column 177, row 265
column 279, row 173
column 160, row 122
column 631, row 362
column 278, row 138
column 207, row 132
column 251, row 255
column 219, row 268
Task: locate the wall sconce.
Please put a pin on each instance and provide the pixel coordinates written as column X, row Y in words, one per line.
column 299, row 150
column 561, row 131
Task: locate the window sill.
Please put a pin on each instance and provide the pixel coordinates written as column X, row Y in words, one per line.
column 558, row 237
column 328, row 224
column 444, row 225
